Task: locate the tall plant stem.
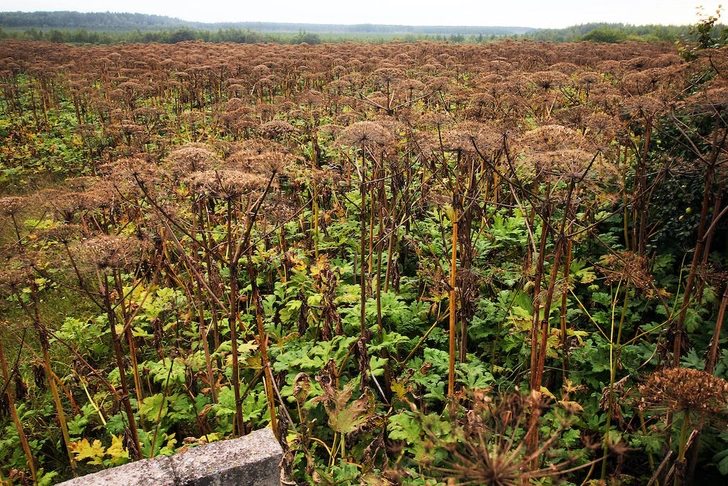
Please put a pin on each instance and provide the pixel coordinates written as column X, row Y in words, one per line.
column 453, row 302
column 363, row 216
column 45, row 346
column 372, row 212
column 708, row 236
column 204, row 335
column 199, row 207
column 545, row 327
column 697, row 258
column 263, row 344
column 129, row 339
column 16, row 420
column 564, row 306
column 680, row 464
column 640, row 231
column 390, row 251
column 614, row 349
column 315, row 211
column 534, row 384
column 537, row 304
column 625, row 198
column 378, row 277
column 116, row 340
column 235, row 252
column 238, row 423
column 715, row 341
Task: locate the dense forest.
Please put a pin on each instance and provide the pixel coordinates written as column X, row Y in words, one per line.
column 417, row 263
column 100, row 21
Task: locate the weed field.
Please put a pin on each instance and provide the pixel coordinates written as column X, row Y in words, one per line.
column 418, row 263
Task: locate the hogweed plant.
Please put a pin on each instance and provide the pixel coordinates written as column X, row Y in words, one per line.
column 369, row 248
column 693, row 398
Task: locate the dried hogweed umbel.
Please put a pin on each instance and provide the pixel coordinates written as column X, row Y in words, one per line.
column 683, row 390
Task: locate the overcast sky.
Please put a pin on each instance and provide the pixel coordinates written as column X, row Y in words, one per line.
column 526, row 13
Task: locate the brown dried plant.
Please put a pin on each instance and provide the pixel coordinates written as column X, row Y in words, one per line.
column 365, row 134
column 187, row 159
column 486, row 445
column 109, row 252
column 694, row 393
column 628, row 266
column 225, row 184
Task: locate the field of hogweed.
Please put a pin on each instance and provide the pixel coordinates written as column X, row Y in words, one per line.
column 417, row 263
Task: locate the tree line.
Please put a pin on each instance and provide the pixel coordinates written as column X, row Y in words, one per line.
column 108, row 28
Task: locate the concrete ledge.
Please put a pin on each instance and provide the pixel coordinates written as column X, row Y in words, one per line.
column 247, row 461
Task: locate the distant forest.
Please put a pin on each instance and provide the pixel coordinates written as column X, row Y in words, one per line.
column 107, row 28
column 109, row 21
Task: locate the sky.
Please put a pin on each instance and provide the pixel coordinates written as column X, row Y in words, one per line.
column 522, row 13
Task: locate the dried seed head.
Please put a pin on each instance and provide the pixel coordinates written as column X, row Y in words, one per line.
column 62, row 233
column 101, row 195
column 13, row 279
column 646, row 106
column 488, row 451
column 225, row 184
column 279, row 210
column 124, row 172
column 188, row 159
column 548, row 80
column 558, row 153
column 365, row 134
column 11, row 205
column 473, row 137
column 711, row 101
column 553, row 137
column 276, row 129
column 568, row 163
column 260, row 157
column 63, row 204
column 435, row 119
column 684, row 390
column 627, row 266
column 80, row 183
column 109, row 251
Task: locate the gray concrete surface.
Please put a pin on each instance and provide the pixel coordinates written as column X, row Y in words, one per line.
column 252, row 460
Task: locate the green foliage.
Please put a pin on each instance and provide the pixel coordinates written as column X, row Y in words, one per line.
column 605, row 34
column 611, row 33
column 199, row 267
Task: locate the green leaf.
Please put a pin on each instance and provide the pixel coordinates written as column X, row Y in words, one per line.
column 693, row 320
column 692, row 360
column 602, row 298
column 721, row 459
column 77, row 425
column 403, row 426
column 377, row 365
column 164, row 370
column 153, row 407
column 474, row 375
column 225, row 405
column 581, row 272
column 46, row 478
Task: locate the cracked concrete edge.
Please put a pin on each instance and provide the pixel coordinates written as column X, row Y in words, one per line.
column 251, row 460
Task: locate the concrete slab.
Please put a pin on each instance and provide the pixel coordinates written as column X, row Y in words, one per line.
column 247, row 461
column 150, row 472
column 252, row 460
